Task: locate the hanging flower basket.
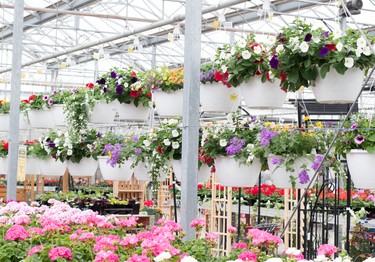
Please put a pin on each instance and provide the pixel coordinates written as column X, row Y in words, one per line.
column 231, row 173
column 4, row 120
column 3, row 165
column 338, row 89
column 360, row 164
column 40, row 118
column 260, row 95
column 141, row 173
column 281, row 177
column 169, row 104
column 216, row 97
column 117, row 173
column 103, row 113
column 132, row 113
column 51, row 167
column 32, row 166
column 204, row 173
column 58, row 115
column 86, row 167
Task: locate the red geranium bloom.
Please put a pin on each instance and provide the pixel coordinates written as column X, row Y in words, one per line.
column 30, row 142
column 331, row 47
column 160, row 150
column 6, row 145
column 26, row 101
column 134, row 73
column 218, row 76
column 90, row 85
column 149, row 94
column 134, row 93
column 200, row 186
column 32, row 97
column 283, row 76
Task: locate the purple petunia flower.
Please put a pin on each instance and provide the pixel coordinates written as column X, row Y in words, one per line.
column 74, row 90
column 133, row 80
column 99, row 135
column 274, row 63
column 105, row 89
column 101, row 81
column 119, row 90
column 50, row 102
column 329, row 124
column 135, row 138
column 137, row 150
column 326, row 34
column 354, row 126
column 316, row 163
column 359, row 139
column 324, row 51
column 235, row 146
column 308, row 37
column 51, row 144
column 276, row 161
column 265, row 136
column 45, row 98
column 304, row 177
column 54, row 92
column 113, row 74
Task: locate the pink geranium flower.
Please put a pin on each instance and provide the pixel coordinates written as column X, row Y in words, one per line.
column 247, row 256
column 138, row 258
column 106, row 256
column 58, row 252
column 327, row 250
column 16, row 232
column 34, row 250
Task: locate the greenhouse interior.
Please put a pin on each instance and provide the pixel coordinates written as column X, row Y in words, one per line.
column 173, row 130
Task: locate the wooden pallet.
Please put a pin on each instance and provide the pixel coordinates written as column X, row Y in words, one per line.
column 132, row 189
column 21, row 194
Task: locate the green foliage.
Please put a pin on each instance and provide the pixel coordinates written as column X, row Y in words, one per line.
column 4, row 107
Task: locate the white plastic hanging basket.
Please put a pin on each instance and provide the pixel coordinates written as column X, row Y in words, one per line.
column 103, row 113
column 3, row 165
column 260, row 95
column 168, row 104
column 116, row 173
column 58, row 115
column 361, row 168
column 86, row 167
column 32, row 166
column 338, row 89
column 281, row 177
column 204, row 173
column 51, row 167
column 216, row 97
column 132, row 113
column 4, row 120
column 41, row 118
column 141, row 173
column 231, row 173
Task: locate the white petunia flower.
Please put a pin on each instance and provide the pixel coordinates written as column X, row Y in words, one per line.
column 358, row 52
column 349, row 62
column 337, row 33
column 224, row 68
column 339, row 46
column 69, row 152
column 241, row 43
column 172, row 121
column 279, row 49
column 246, row 54
column 175, row 133
column 271, row 40
column 175, row 145
column 257, row 49
column 222, row 55
column 162, row 256
column 232, row 50
column 316, row 39
column 367, row 51
column 361, row 42
column 167, row 142
column 146, row 142
column 222, row 142
column 304, row 47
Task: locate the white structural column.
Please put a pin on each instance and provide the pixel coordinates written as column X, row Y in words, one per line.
column 15, row 100
column 190, row 133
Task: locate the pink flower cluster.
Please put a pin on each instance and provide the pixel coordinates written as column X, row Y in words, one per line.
column 60, row 252
column 34, row 250
column 327, row 250
column 106, row 256
column 198, row 223
column 248, row 256
column 260, row 237
column 17, row 232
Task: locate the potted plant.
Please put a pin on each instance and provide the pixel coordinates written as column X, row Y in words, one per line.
column 216, row 94
column 124, row 92
column 38, row 109
column 34, row 151
column 307, row 56
column 4, row 146
column 357, row 144
column 232, row 146
column 247, row 66
column 4, row 117
column 56, row 100
column 166, row 85
column 48, row 165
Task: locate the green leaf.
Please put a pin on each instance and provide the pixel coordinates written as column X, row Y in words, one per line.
column 371, row 138
column 293, row 77
column 324, row 70
column 371, row 149
column 340, row 68
column 307, row 63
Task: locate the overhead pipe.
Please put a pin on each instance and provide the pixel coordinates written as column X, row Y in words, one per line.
column 157, row 24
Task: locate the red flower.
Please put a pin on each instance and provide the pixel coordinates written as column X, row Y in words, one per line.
column 258, row 72
column 331, row 47
column 257, row 62
column 134, row 73
column 6, row 145
column 149, row 94
column 149, row 203
column 283, row 76
column 218, row 76
column 90, row 85
column 26, row 101
column 200, row 186
column 32, row 97
column 160, row 150
column 30, row 142
column 54, row 157
column 213, row 169
column 134, row 93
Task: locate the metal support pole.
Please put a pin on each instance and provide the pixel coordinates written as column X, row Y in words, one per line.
column 15, row 101
column 259, row 196
column 174, row 197
column 239, row 215
column 190, row 133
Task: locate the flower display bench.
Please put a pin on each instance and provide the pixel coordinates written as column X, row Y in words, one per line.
column 132, row 189
column 21, row 194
